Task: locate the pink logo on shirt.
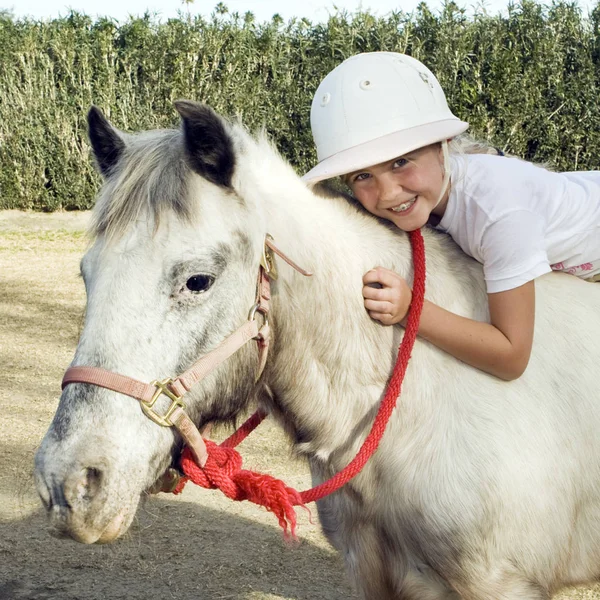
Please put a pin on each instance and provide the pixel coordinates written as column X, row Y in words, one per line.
column 572, row 270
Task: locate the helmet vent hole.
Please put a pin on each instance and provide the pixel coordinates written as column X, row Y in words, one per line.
column 425, row 78
column 325, row 99
column 365, row 84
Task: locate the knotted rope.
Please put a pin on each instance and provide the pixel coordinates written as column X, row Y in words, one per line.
column 223, row 467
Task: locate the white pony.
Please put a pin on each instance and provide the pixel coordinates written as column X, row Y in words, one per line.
column 480, row 489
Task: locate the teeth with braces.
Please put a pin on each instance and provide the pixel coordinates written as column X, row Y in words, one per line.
column 405, row 206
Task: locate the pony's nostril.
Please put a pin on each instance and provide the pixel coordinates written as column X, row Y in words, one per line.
column 88, row 483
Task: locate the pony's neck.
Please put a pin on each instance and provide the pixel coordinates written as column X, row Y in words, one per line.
column 323, row 370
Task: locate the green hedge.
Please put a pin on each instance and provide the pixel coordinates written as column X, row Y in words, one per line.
column 527, row 82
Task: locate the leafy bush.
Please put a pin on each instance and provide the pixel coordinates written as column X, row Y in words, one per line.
column 527, row 82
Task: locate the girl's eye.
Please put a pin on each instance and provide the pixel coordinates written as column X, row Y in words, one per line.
column 199, row 283
column 400, row 162
column 361, row 177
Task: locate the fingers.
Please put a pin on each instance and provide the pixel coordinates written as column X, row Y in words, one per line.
column 386, row 312
column 386, row 295
column 380, row 275
column 383, row 318
column 379, row 279
column 382, row 284
column 371, row 293
column 379, row 307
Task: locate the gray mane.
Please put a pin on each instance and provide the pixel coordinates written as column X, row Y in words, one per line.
column 150, row 179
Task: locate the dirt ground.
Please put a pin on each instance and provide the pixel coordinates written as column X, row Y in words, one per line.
column 195, row 546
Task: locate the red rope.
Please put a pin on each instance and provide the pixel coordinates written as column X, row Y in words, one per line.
column 240, row 434
column 223, row 470
column 223, row 467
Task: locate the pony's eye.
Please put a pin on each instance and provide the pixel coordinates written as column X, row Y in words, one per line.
column 199, row 283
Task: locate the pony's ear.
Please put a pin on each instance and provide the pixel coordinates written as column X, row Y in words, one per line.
column 208, row 144
column 106, row 142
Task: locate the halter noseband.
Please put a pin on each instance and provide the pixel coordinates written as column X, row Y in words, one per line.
column 174, row 389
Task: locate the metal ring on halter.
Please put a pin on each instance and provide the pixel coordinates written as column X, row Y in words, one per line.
column 254, row 310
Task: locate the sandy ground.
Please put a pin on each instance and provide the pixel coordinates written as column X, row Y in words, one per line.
column 195, row 546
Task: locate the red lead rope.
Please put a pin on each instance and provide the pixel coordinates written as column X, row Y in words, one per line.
column 223, row 467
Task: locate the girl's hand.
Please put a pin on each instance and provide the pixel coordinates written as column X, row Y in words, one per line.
column 387, row 296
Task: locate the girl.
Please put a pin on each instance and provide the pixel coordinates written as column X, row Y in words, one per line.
column 381, row 121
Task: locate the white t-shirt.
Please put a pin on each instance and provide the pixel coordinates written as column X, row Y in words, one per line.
column 521, row 221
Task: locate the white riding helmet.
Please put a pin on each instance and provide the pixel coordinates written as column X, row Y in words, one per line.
column 374, row 107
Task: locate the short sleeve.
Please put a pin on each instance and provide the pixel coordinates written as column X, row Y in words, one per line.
column 513, row 249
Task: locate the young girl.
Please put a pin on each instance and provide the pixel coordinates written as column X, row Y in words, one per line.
column 381, row 121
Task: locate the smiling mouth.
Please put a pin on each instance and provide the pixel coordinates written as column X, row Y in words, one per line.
column 404, row 206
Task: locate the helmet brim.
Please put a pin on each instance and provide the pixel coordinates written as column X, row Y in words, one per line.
column 384, row 148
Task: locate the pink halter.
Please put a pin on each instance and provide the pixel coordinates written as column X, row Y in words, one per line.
column 175, row 389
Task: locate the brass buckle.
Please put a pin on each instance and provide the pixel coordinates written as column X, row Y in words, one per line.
column 162, row 387
column 267, row 260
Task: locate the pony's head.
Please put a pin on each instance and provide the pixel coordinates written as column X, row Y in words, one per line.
column 171, row 272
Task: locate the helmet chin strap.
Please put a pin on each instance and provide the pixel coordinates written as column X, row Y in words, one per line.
column 446, row 180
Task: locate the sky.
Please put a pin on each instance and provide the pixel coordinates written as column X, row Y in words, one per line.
column 263, row 10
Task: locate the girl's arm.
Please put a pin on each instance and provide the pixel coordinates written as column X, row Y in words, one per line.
column 501, row 347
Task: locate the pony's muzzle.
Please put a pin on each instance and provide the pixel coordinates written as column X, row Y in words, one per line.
column 75, row 502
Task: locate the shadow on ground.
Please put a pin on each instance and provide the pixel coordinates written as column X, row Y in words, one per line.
column 175, row 550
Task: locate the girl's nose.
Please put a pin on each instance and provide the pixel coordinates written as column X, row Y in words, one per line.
column 389, row 189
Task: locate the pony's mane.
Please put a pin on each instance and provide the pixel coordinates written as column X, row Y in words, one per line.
column 150, row 179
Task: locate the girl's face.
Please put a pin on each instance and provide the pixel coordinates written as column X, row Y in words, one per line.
column 404, row 190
